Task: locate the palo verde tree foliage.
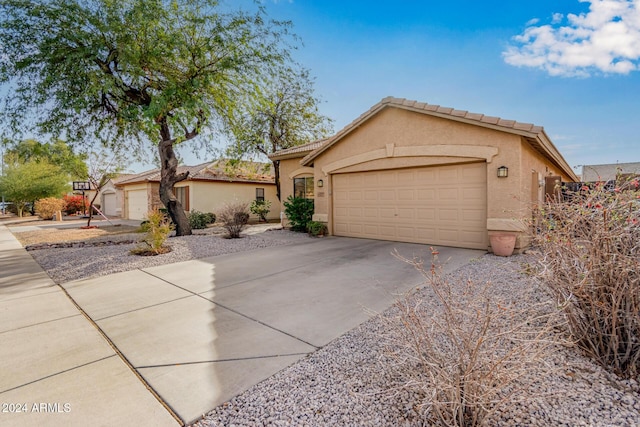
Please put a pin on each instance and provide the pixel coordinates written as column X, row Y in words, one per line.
column 125, row 71
column 280, row 113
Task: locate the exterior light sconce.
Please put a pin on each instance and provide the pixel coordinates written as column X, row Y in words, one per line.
column 503, row 172
column 320, row 183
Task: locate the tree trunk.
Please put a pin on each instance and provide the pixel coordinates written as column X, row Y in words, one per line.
column 168, row 178
column 276, row 172
column 95, row 196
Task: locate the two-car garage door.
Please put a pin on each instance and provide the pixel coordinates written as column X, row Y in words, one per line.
column 439, row 205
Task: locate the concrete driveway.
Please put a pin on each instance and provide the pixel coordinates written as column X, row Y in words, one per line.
column 200, row 332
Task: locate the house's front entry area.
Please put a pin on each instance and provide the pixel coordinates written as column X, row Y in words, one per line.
column 439, row 205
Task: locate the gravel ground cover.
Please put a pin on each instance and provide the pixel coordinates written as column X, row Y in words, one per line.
column 81, row 261
column 346, row 383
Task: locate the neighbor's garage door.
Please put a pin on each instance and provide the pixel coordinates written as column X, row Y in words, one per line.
column 136, row 204
column 440, row 205
column 109, row 207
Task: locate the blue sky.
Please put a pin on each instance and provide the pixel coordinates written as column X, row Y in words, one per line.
column 568, row 65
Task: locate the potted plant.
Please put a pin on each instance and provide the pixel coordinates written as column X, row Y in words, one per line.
column 502, row 243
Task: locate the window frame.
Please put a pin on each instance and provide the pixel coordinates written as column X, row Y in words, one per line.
column 182, row 194
column 308, row 187
column 260, row 198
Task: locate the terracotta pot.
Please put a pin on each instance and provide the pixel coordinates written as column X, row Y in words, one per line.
column 502, row 244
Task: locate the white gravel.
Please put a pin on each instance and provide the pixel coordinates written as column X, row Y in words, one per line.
column 347, row 384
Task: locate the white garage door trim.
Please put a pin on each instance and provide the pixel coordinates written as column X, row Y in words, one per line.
column 438, row 205
column 137, row 204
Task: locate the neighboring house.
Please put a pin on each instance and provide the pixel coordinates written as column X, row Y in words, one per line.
column 112, row 197
column 608, row 172
column 413, row 172
column 208, row 188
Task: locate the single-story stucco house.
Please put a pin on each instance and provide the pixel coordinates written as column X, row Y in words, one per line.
column 112, row 197
column 208, row 188
column 414, row 172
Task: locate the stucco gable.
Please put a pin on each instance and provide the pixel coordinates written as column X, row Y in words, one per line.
column 533, row 134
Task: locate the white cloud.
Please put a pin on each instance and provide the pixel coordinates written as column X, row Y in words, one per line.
column 605, row 39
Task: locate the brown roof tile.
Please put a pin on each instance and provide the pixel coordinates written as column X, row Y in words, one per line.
column 210, row 171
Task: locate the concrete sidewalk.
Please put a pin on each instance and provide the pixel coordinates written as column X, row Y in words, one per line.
column 57, row 369
column 197, row 332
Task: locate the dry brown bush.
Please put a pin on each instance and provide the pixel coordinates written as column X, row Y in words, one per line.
column 47, row 207
column 590, row 247
column 234, row 216
column 465, row 349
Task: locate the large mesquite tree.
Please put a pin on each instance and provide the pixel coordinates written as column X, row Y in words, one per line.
column 132, row 71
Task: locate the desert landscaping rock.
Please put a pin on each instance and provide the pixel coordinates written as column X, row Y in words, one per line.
column 347, row 383
column 81, row 261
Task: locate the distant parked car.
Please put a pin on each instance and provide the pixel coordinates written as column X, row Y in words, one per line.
column 4, row 206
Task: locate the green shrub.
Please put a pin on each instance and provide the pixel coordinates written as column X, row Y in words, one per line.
column 316, row 228
column 200, row 220
column 590, row 252
column 299, row 212
column 46, row 208
column 157, row 228
column 261, row 208
column 234, row 217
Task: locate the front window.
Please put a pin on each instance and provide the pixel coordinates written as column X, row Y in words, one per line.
column 182, row 194
column 259, row 194
column 303, row 187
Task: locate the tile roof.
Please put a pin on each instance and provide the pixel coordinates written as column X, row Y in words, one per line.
column 535, row 135
column 299, row 149
column 212, row 171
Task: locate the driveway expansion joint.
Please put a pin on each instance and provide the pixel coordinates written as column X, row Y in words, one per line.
column 260, row 322
column 126, row 361
column 59, row 373
column 233, row 359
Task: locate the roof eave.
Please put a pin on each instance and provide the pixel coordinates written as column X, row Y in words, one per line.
column 288, row 156
column 554, row 155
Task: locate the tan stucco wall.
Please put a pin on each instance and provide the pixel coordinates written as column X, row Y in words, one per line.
column 397, row 138
column 411, row 139
column 211, row 196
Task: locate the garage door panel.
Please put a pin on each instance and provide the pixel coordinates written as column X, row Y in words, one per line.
column 405, row 214
column 448, row 215
column 406, row 194
column 426, row 194
column 406, row 232
column 387, row 213
column 387, row 195
column 406, row 177
column 441, row 205
column 387, row 232
column 371, row 196
column 426, row 214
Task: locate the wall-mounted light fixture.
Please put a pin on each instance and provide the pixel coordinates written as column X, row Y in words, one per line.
column 320, row 183
column 503, row 172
